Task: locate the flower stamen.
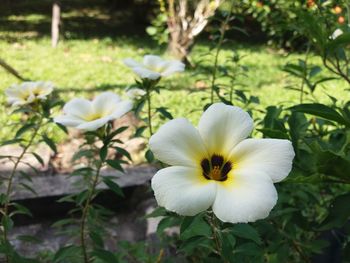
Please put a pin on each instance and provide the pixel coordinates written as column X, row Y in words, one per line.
column 215, row 169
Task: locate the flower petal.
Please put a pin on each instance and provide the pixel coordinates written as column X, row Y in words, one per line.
column 245, row 197
column 153, row 62
column 271, row 156
column 69, row 121
column 81, row 108
column 173, row 67
column 105, row 103
column 93, row 125
column 131, row 63
column 145, row 73
column 121, row 108
column 178, row 143
column 182, row 190
column 222, row 127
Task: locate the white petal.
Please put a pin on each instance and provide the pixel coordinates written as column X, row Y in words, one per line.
column 271, row 156
column 81, row 108
column 222, row 127
column 105, row 103
column 178, row 143
column 153, row 62
column 93, row 125
column 121, row 108
column 69, row 121
column 145, row 73
column 131, row 63
column 183, row 190
column 173, row 67
column 244, row 198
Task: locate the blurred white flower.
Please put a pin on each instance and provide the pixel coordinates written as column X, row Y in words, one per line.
column 135, row 93
column 91, row 115
column 338, row 32
column 28, row 92
column 154, row 67
column 216, row 166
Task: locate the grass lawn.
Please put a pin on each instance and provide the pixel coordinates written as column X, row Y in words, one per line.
column 83, row 67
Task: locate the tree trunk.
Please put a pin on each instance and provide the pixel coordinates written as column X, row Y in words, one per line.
column 55, row 25
column 186, row 20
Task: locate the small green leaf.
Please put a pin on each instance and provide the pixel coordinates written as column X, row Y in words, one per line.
column 321, row 111
column 50, row 143
column 65, row 254
column 246, row 231
column 24, row 129
column 165, row 113
column 149, row 156
column 113, row 186
column 39, row 159
column 105, row 256
column 115, row 164
column 103, row 152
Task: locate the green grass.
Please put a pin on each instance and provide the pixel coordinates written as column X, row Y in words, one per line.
column 80, row 68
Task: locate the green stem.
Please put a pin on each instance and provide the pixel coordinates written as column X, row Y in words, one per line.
column 305, row 74
column 218, row 49
column 149, row 110
column 12, row 175
column 86, row 211
column 212, row 222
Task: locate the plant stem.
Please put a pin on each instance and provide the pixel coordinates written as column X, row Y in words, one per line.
column 218, row 49
column 149, row 110
column 305, row 74
column 12, row 175
column 85, row 212
column 212, row 222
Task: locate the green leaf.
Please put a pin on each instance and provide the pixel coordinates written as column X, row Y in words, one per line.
column 113, row 186
column 20, row 209
column 117, row 131
column 149, row 156
column 24, row 129
column 115, row 164
column 82, row 153
column 29, row 239
column 338, row 214
column 123, row 152
column 195, row 226
column 103, row 152
column 246, row 231
column 65, row 254
column 105, row 255
column 39, row 159
column 139, row 131
column 96, row 238
column 50, row 143
column 7, row 222
column 165, row 113
column 321, row 111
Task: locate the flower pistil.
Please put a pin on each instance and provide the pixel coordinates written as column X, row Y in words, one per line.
column 216, row 169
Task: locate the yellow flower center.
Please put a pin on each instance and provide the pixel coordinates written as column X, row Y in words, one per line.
column 93, row 116
column 216, row 169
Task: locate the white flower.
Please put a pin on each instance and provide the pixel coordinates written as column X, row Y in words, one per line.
column 338, row 32
column 28, row 92
column 91, row 115
column 154, row 67
column 216, row 166
column 135, row 93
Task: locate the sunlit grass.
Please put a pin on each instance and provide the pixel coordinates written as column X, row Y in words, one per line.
column 84, row 67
